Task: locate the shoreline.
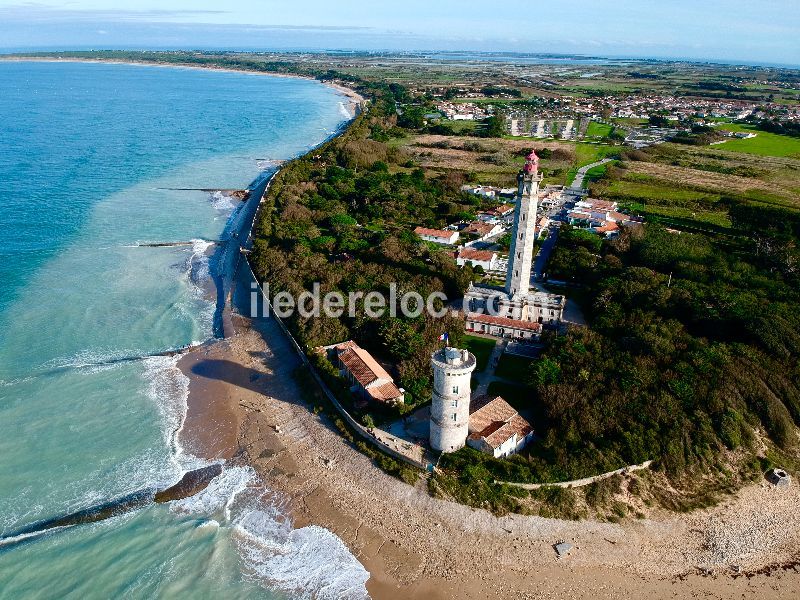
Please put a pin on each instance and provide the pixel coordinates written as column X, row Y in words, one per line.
column 417, row 546
column 245, row 407
column 355, row 99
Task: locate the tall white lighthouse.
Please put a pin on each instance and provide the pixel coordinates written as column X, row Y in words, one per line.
column 520, row 257
column 452, row 370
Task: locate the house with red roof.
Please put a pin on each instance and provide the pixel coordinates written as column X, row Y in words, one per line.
column 437, row 236
column 502, row 327
column 496, row 428
column 485, row 259
column 369, row 380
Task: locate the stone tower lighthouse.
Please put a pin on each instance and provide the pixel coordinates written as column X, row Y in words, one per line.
column 452, row 370
column 520, row 256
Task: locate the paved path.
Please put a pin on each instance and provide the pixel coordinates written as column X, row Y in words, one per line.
column 486, row 376
column 580, row 176
column 579, row 482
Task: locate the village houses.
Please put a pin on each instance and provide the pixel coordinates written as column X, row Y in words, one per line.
column 445, row 237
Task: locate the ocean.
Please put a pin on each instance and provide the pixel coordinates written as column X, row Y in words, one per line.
column 95, row 160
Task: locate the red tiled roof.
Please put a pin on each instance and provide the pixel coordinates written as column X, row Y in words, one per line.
column 504, row 322
column 482, row 255
column 367, row 372
column 495, row 421
column 479, row 228
column 601, row 204
column 606, row 227
column 385, row 393
column 440, row 233
column 503, row 209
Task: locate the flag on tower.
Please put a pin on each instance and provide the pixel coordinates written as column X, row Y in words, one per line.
column 444, row 337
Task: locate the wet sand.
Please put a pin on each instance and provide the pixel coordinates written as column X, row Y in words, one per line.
column 415, row 546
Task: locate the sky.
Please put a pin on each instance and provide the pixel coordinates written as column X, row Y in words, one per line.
column 763, row 32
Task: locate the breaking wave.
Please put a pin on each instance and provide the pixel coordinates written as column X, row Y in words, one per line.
column 310, row 562
column 222, row 201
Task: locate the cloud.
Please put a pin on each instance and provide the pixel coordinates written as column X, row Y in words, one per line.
column 35, row 12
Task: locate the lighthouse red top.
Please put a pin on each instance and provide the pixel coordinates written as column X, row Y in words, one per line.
column 531, row 163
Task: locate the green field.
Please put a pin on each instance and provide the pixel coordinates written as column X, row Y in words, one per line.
column 764, row 144
column 596, row 129
column 462, row 127
column 680, row 214
column 658, row 192
column 586, row 154
column 482, row 349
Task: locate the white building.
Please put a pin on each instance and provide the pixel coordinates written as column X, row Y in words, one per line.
column 483, row 191
column 483, row 230
column 485, row 259
column 503, row 327
column 496, row 428
column 437, row 236
column 517, row 302
column 452, row 371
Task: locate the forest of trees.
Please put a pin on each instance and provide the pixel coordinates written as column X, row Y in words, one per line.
column 689, row 351
column 344, row 216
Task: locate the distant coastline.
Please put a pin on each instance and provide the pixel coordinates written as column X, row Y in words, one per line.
column 354, row 98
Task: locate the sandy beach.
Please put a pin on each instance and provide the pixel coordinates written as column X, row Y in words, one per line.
column 415, row 546
column 245, row 407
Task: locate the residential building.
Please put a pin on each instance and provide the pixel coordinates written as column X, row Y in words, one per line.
column 437, row 236
column 502, row 327
column 483, row 191
column 496, row 428
column 369, row 380
column 486, row 259
column 482, row 230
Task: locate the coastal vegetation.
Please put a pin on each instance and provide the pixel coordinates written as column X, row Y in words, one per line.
column 689, row 358
column 690, row 354
column 343, row 216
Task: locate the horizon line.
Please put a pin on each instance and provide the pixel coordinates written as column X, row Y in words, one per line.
column 21, row 50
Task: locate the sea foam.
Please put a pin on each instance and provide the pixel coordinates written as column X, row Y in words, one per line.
column 310, row 562
column 221, row 201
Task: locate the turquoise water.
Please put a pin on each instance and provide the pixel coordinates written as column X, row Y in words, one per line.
column 91, row 157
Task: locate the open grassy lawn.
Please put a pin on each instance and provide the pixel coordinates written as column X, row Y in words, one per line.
column 596, row 129
column 462, row 127
column 482, row 349
column 657, row 192
column 513, row 367
column 586, row 154
column 679, row 214
column 764, row 144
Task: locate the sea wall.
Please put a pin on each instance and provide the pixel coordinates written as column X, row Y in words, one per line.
column 248, row 278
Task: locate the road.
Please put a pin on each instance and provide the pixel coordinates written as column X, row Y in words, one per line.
column 580, row 176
